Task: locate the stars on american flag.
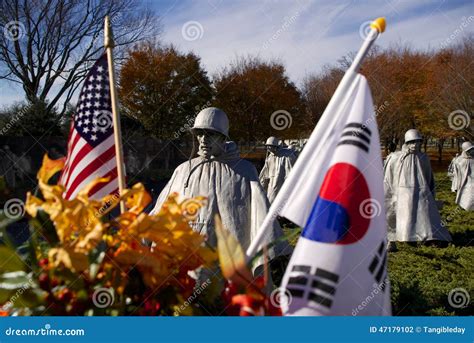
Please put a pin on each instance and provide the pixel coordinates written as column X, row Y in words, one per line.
column 93, row 117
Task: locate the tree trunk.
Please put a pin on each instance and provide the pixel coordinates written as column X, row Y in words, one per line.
column 440, row 149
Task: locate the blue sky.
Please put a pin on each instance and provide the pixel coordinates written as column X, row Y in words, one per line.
column 303, row 34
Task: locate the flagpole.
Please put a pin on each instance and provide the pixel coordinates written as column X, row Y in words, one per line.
column 109, row 46
column 376, row 28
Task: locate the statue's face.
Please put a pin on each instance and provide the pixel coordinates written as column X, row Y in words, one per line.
column 414, row 146
column 210, row 143
column 470, row 153
column 272, row 149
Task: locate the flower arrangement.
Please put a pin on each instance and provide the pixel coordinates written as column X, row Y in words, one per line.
column 81, row 259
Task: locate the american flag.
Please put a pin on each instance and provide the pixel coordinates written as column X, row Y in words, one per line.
column 91, row 148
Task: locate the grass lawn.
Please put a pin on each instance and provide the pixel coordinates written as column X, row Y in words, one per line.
column 422, row 277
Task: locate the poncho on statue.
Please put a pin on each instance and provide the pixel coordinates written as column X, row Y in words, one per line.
column 412, row 213
column 275, row 171
column 451, row 173
column 463, row 180
column 233, row 191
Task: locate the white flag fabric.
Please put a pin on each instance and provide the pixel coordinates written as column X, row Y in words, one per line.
column 339, row 263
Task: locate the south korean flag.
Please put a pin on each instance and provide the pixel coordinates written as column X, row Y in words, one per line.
column 339, row 266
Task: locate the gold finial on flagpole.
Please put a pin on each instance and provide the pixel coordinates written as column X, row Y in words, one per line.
column 378, row 24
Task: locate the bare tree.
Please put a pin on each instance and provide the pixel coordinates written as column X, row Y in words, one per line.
column 47, row 45
column 317, row 90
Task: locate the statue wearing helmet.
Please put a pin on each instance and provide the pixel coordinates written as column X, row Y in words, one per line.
column 278, row 164
column 412, row 212
column 462, row 169
column 229, row 183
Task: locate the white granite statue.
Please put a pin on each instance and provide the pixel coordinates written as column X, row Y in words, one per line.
column 412, row 213
column 278, row 164
column 463, row 177
column 230, row 184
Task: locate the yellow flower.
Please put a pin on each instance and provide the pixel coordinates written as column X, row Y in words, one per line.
column 77, row 222
column 175, row 245
column 71, row 259
column 50, row 167
column 80, row 225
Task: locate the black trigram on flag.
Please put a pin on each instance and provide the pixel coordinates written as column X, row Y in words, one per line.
column 377, row 266
column 356, row 134
column 319, row 287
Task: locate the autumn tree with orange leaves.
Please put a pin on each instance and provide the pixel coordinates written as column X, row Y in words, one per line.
column 163, row 88
column 250, row 90
column 410, row 89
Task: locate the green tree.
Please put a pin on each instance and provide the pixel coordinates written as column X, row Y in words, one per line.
column 26, row 119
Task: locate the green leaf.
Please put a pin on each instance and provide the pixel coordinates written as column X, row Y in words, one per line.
column 9, row 260
column 31, row 297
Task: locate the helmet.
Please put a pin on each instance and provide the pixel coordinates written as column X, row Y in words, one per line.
column 273, row 141
column 212, row 118
column 466, row 146
column 412, row 135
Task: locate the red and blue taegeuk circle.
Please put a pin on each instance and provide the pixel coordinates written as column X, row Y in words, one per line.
column 336, row 215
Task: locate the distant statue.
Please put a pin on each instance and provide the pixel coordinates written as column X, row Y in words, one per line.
column 463, row 177
column 451, row 173
column 230, row 184
column 391, row 148
column 412, row 213
column 295, row 147
column 278, row 164
column 132, row 163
